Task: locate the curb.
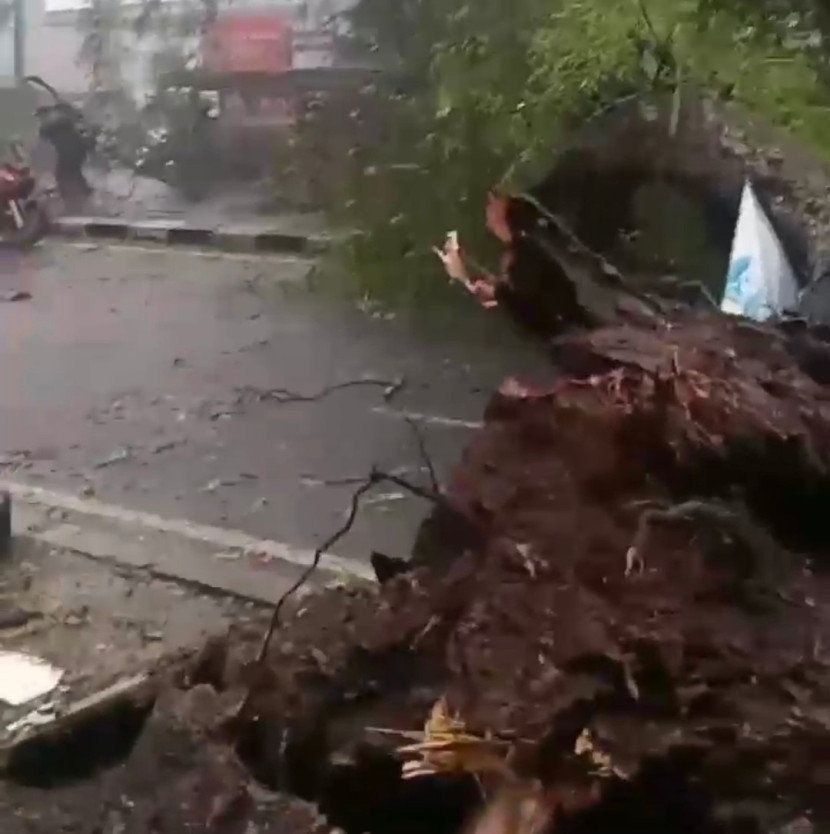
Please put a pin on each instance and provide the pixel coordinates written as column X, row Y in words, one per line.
column 250, row 237
column 214, row 560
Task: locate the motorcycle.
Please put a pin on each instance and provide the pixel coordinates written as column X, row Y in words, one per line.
column 23, row 219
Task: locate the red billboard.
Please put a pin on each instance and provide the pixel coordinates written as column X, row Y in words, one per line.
column 248, row 43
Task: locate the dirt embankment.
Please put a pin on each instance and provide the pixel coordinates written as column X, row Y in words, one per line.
column 629, row 612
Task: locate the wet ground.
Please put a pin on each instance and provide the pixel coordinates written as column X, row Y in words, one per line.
column 133, row 374
column 98, row 624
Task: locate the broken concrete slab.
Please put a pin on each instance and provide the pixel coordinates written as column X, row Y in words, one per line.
column 97, row 626
column 164, row 778
column 51, row 720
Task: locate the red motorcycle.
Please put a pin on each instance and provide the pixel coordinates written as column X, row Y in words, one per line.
column 23, row 220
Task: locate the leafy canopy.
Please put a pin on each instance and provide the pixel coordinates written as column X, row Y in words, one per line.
column 495, row 85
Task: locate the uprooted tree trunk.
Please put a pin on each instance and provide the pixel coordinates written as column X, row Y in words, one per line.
column 640, row 625
column 705, row 151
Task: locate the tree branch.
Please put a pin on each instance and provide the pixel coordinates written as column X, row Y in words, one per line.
column 425, row 458
column 374, row 478
column 315, row 562
column 284, row 395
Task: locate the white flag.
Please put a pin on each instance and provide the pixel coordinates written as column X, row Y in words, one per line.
column 760, row 282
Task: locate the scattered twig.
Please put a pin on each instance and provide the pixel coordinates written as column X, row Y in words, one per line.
column 311, row 480
column 374, row 478
column 420, row 492
column 315, row 562
column 346, row 480
column 424, row 454
column 119, row 456
column 391, row 390
column 677, row 102
column 284, row 395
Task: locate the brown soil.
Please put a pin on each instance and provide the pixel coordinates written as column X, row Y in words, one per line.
column 708, row 657
column 647, row 565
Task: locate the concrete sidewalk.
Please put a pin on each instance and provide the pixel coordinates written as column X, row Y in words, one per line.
column 239, row 218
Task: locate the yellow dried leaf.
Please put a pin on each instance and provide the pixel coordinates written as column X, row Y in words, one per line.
column 601, row 761
column 447, row 746
column 441, row 723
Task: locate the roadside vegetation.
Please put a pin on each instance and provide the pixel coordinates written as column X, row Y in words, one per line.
column 489, row 89
column 486, row 91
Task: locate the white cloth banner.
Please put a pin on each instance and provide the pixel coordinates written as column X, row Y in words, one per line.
column 760, row 282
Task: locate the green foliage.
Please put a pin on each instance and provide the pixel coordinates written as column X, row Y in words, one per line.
column 494, row 86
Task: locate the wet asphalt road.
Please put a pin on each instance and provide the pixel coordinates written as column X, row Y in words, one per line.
column 134, row 372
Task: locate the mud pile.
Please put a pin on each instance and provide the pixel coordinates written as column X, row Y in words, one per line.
column 651, row 572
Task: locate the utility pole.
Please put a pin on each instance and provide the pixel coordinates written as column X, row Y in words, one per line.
column 19, row 40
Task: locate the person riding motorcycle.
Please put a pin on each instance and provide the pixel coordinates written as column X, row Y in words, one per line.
column 59, row 126
column 63, row 126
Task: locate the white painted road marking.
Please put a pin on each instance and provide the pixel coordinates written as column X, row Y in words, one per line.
column 429, row 419
column 218, row 537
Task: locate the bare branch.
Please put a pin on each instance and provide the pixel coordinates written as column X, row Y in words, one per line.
column 284, row 395
column 346, row 480
column 374, row 478
column 425, row 458
column 315, row 562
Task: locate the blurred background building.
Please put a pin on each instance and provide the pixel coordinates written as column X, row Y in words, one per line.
column 55, row 32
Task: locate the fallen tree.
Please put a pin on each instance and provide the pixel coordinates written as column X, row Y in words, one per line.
column 631, row 615
column 621, row 623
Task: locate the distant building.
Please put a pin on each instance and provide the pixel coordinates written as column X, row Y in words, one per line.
column 54, row 40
